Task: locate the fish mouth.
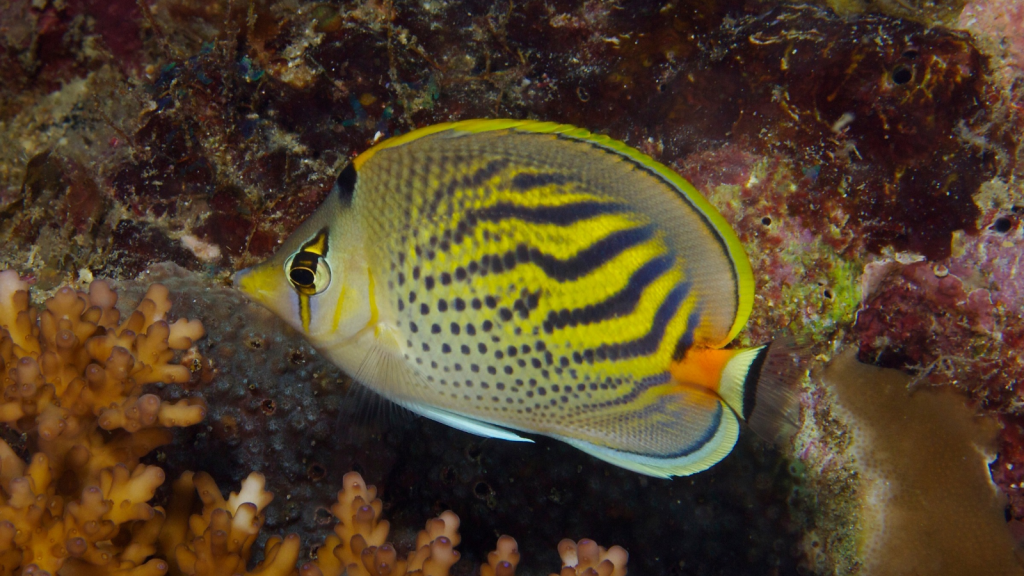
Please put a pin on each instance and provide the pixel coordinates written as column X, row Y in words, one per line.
column 243, row 281
column 236, row 278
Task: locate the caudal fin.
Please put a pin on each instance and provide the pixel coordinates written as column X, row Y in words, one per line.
column 762, row 385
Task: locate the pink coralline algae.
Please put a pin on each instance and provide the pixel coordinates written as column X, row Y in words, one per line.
column 953, row 322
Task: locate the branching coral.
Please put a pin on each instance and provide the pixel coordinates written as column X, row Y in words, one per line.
column 219, row 539
column 72, row 378
column 41, row 534
column 586, row 558
column 359, row 545
column 77, row 368
column 503, row 560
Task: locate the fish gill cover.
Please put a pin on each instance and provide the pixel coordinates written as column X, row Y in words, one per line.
column 868, row 156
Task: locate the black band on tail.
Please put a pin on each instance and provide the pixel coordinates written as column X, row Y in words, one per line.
column 750, row 383
column 771, row 400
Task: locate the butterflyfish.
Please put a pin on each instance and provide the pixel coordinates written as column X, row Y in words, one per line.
column 506, row 277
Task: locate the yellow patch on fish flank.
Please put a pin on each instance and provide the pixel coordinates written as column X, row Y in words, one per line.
column 609, row 279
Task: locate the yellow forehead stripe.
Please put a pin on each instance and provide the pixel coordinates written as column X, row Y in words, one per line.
column 318, row 245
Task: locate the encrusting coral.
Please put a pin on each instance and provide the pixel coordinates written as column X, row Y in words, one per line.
column 72, row 378
column 926, row 502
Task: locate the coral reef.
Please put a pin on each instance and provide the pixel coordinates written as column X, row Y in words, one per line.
column 359, row 546
column 869, row 159
column 502, row 561
column 219, row 539
column 74, row 376
column 43, row 530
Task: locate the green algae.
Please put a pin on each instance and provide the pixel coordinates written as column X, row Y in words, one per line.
column 829, row 304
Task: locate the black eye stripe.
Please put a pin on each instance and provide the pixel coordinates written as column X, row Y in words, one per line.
column 305, row 260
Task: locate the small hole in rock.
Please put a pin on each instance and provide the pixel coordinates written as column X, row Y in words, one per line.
column 1002, row 225
column 910, row 54
column 902, row 75
column 828, row 293
column 482, row 490
column 767, row 221
column 316, row 472
column 323, row 516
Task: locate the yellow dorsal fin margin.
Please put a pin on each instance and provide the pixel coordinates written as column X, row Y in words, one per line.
column 744, row 274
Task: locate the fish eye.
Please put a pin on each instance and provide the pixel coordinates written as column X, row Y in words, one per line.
column 308, row 272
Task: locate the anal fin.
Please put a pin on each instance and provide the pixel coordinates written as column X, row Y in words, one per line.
column 718, row 441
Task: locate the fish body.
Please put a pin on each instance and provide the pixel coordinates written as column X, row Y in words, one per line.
column 503, row 276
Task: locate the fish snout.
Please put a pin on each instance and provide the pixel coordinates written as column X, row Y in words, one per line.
column 243, row 280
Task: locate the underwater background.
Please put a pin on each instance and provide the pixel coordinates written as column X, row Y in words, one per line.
column 867, row 153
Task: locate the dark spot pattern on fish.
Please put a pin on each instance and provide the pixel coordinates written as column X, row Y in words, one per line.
column 467, row 182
